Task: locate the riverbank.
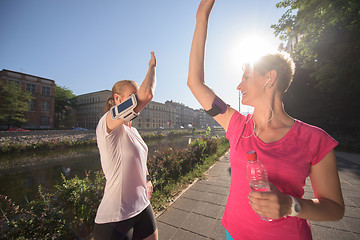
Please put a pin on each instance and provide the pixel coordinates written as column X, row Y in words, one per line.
column 69, row 209
column 12, row 142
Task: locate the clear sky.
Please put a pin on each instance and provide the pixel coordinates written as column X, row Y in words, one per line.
column 88, row 45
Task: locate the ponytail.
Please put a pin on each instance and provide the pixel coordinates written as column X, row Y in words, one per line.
column 109, row 103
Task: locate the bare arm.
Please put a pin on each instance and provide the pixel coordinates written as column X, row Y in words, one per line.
column 144, row 94
column 196, row 81
column 328, row 204
column 147, row 87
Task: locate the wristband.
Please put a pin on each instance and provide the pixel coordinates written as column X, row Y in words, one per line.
column 295, row 207
column 148, row 178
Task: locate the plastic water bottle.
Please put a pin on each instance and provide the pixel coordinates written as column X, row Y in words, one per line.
column 257, row 177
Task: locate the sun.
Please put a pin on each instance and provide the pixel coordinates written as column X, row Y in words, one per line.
column 250, row 47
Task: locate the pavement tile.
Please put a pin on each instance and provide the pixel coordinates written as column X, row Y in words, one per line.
column 220, row 190
column 355, row 201
column 186, row 235
column 324, row 233
column 185, row 204
column 173, row 217
column 222, row 183
column 218, row 232
column 339, row 225
column 215, row 198
column 353, row 212
column 200, row 224
column 193, row 194
column 208, row 209
column 201, row 186
column 166, row 231
column 221, row 212
column 353, row 224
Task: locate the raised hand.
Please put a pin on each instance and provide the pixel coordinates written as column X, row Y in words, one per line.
column 204, row 9
column 152, row 62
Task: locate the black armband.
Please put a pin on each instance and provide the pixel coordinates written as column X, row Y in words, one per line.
column 218, row 107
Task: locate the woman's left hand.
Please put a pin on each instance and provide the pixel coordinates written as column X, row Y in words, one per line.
column 149, row 187
column 152, row 62
column 274, row 204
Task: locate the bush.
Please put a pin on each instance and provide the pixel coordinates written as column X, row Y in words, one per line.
column 68, row 212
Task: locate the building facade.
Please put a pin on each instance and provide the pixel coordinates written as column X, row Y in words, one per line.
column 155, row 116
column 90, row 108
column 184, row 115
column 42, row 107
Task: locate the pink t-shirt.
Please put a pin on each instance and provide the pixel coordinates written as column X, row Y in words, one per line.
column 123, row 155
column 288, row 162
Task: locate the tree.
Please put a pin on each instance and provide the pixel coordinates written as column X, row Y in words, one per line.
column 14, row 103
column 327, row 57
column 64, row 103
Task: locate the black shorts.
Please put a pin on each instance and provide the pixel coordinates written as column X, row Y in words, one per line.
column 139, row 227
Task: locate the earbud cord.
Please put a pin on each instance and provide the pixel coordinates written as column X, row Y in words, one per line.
column 251, row 117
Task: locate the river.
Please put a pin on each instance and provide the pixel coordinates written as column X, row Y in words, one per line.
column 21, row 174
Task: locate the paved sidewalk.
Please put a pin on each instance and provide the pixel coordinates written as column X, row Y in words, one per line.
column 197, row 213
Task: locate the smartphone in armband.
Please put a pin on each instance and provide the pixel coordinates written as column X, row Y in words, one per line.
column 125, row 110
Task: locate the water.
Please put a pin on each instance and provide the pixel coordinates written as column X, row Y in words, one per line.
column 21, row 174
column 261, row 186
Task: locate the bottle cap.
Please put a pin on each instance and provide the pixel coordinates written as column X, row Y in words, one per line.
column 251, row 155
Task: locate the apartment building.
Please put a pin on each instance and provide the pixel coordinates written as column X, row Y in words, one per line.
column 184, row 115
column 90, row 108
column 42, row 107
column 155, row 116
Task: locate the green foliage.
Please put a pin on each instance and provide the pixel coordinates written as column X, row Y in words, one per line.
column 327, row 57
column 68, row 212
column 13, row 104
column 64, row 102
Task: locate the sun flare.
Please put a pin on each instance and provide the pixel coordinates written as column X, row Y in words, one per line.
column 250, row 47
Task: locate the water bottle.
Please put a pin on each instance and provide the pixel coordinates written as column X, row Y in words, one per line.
column 257, row 177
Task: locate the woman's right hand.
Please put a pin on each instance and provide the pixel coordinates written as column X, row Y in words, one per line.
column 152, row 62
column 204, row 9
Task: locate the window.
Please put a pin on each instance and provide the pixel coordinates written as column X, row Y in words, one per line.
column 45, row 106
column 45, row 91
column 44, row 120
column 32, row 105
column 14, row 83
column 30, row 87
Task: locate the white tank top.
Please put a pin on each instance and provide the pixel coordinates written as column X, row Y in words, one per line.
column 123, row 155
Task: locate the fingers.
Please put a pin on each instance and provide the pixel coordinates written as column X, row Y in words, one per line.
column 152, row 62
column 265, row 204
column 204, row 9
column 149, row 189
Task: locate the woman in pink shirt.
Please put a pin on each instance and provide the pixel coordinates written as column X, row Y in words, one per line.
column 290, row 149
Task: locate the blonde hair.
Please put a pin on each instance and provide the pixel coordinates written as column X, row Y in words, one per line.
column 119, row 88
column 281, row 62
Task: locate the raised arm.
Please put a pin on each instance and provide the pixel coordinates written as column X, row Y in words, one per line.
column 147, row 88
column 144, row 94
column 196, row 80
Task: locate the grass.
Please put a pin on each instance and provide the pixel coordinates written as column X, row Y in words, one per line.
column 162, row 198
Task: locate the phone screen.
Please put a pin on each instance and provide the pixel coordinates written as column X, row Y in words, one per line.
column 125, row 105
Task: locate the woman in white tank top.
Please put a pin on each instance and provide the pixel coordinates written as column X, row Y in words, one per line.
column 125, row 211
